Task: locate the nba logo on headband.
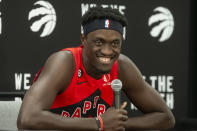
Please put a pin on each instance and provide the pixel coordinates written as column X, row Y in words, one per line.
column 107, row 23
column 102, row 24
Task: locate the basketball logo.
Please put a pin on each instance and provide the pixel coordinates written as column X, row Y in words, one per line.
column 106, row 23
column 163, row 24
column 47, row 18
column 106, row 78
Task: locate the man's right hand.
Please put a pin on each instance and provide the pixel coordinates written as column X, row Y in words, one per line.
column 115, row 119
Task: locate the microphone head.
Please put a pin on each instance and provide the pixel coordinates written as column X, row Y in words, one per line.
column 116, row 85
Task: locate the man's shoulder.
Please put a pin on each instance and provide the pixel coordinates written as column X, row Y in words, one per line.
column 122, row 63
column 123, row 59
column 62, row 55
column 60, row 59
column 125, row 65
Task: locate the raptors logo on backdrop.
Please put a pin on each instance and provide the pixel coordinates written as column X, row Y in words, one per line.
column 47, row 18
column 165, row 27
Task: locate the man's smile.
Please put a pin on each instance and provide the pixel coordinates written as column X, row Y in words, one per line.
column 105, row 60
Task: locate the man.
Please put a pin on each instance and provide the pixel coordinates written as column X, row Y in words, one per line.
column 73, row 91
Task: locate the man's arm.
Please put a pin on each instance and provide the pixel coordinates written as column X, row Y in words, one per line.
column 34, row 112
column 156, row 113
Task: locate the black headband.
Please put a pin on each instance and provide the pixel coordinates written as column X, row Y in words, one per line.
column 102, row 24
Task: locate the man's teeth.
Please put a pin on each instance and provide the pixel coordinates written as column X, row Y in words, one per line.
column 106, row 60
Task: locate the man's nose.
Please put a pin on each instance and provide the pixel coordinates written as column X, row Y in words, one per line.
column 107, row 50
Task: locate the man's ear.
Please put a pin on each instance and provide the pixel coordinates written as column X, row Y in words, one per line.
column 83, row 39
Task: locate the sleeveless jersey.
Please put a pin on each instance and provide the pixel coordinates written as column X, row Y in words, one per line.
column 85, row 96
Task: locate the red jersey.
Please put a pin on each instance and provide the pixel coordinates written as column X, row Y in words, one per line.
column 85, row 96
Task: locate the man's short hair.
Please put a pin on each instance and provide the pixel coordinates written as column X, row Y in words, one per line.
column 102, row 13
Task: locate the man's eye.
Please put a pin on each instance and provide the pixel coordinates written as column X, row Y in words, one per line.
column 115, row 44
column 98, row 42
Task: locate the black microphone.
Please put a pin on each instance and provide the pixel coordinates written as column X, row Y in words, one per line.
column 116, row 86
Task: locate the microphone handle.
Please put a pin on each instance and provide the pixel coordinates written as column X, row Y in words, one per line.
column 117, row 99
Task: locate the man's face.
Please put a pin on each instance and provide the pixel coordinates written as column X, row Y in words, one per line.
column 102, row 49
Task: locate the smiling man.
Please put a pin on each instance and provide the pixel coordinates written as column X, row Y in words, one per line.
column 73, row 92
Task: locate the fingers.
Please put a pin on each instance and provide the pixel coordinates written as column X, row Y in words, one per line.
column 124, row 118
column 115, row 118
column 123, row 105
column 123, row 112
